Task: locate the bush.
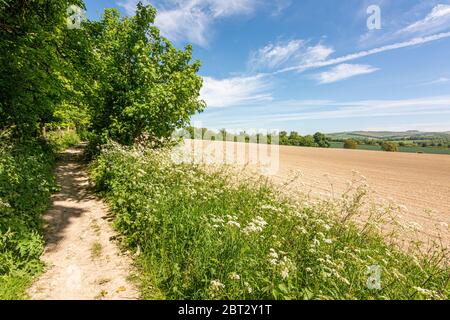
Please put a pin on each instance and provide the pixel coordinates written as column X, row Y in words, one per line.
column 350, row 144
column 204, row 233
column 26, row 183
column 389, row 146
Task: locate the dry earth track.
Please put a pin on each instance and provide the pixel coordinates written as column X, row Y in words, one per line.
column 82, row 261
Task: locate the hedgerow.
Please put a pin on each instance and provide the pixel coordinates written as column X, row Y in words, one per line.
column 26, row 184
column 200, row 233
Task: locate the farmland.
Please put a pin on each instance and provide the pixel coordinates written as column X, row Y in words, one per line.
column 419, row 182
column 210, row 232
column 407, row 149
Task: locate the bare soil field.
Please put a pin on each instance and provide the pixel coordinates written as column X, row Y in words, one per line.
column 420, row 183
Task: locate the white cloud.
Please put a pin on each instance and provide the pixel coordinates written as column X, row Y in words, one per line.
column 280, row 6
column 315, row 54
column 436, row 21
column 272, row 56
column 191, row 20
column 440, row 80
column 130, row 5
column 235, row 91
column 437, row 105
column 361, row 54
column 343, row 71
column 276, row 55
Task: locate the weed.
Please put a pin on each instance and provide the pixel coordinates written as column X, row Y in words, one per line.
column 96, row 250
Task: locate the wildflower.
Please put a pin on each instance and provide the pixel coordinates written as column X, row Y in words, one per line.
column 248, row 287
column 234, row 224
column 260, row 221
column 271, row 208
column 273, row 253
column 217, row 220
column 216, row 285
column 273, row 262
column 255, row 226
column 5, row 204
column 426, row 292
column 235, row 276
column 285, row 273
column 328, row 241
column 309, row 270
column 302, row 230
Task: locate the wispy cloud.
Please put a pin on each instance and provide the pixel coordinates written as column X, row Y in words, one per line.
column 291, row 52
column 274, row 55
column 280, row 6
column 437, row 20
column 361, row 54
column 357, row 109
column 235, row 91
column 440, row 80
column 192, row 20
column 342, row 72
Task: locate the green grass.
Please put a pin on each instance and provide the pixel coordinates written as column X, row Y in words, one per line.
column 407, row 149
column 214, row 234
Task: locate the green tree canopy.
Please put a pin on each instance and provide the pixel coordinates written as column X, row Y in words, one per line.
column 35, row 51
column 321, row 140
column 142, row 84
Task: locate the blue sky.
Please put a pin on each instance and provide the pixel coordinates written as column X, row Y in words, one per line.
column 313, row 65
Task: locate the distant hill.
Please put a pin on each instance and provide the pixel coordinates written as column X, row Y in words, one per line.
column 389, row 135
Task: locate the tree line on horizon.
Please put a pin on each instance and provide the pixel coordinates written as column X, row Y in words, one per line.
column 293, row 138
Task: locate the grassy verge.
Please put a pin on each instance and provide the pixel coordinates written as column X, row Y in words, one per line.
column 202, row 234
column 26, row 184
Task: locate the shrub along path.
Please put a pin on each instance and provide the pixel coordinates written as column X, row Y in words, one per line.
column 82, row 261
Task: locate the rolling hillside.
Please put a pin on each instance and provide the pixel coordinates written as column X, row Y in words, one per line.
column 389, row 135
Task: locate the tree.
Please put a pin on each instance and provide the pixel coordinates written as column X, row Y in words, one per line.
column 294, row 139
column 223, row 134
column 321, row 140
column 284, row 139
column 350, row 144
column 389, row 146
column 144, row 86
column 307, row 141
column 36, row 59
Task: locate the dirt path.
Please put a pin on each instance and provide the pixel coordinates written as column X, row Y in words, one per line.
column 82, row 260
